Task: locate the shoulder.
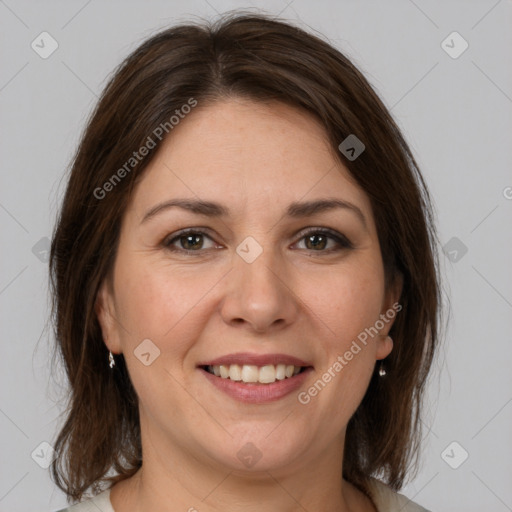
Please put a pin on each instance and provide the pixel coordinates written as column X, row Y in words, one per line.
column 385, row 499
column 101, row 502
column 388, row 500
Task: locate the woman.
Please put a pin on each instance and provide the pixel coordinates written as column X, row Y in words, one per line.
column 245, row 282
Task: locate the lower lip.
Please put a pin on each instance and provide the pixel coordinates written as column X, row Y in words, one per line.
column 258, row 393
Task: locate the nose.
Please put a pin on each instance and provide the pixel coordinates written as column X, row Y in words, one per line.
column 259, row 295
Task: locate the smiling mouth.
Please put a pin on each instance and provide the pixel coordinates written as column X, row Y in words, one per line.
column 252, row 374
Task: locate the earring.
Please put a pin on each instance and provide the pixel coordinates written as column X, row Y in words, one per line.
column 111, row 360
column 382, row 370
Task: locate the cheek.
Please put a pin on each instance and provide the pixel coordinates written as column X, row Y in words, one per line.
column 164, row 305
column 347, row 301
column 160, row 302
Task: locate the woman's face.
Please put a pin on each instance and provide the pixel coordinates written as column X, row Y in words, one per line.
column 254, row 286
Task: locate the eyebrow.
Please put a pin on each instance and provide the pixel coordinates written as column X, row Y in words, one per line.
column 294, row 210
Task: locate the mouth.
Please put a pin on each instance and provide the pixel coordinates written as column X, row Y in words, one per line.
column 253, row 374
column 255, row 378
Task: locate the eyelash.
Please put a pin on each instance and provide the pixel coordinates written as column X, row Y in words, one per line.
column 342, row 241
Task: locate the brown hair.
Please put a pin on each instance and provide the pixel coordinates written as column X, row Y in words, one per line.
column 263, row 59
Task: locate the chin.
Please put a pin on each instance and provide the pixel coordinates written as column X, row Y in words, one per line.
column 260, row 451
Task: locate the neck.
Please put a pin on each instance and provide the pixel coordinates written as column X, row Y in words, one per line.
column 172, row 479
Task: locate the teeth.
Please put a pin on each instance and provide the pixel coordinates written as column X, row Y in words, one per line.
column 224, row 371
column 235, row 372
column 251, row 373
column 267, row 374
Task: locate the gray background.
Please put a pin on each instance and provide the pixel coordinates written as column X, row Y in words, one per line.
column 456, row 114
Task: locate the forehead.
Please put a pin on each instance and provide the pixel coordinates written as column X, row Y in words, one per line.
column 241, row 152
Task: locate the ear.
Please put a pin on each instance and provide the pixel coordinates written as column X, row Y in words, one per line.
column 105, row 311
column 391, row 305
column 391, row 308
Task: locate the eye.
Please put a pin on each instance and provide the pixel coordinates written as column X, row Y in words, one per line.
column 192, row 240
column 317, row 240
column 189, row 240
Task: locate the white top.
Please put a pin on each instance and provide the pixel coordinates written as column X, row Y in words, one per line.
column 385, row 499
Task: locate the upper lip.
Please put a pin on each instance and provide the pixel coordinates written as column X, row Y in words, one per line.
column 242, row 358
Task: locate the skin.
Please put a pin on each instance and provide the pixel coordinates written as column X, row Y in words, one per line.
column 254, row 159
